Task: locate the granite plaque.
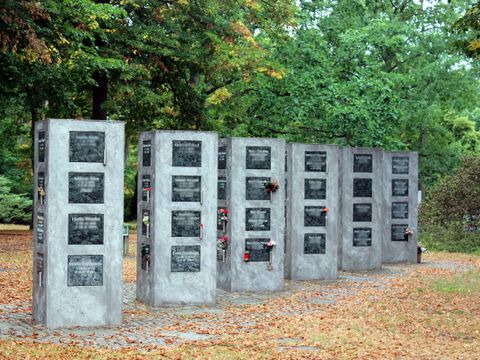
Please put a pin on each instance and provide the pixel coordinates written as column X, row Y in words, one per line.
column 85, row 229
column 362, row 237
column 316, row 189
column 316, row 161
column 398, row 232
column 255, row 188
column 85, row 270
column 257, row 219
column 399, row 210
column 40, row 228
column 146, row 223
column 186, row 153
column 362, row 163
column 362, row 187
column 362, row 212
column 222, row 157
column 40, row 184
column 400, row 187
column 257, row 247
column 400, row 165
column 39, row 263
column 147, row 153
column 146, row 187
column 186, row 188
column 85, row 188
column 258, row 157
column 41, row 146
column 145, row 257
column 185, row 258
column 186, row 223
column 222, row 188
column 314, row 216
column 87, row 146
column 314, row 244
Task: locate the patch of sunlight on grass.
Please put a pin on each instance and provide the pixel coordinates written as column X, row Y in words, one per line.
column 13, row 227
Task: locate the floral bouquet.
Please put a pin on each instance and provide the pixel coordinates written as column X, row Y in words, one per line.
column 408, row 232
column 272, row 186
column 270, row 245
column 222, row 216
column 146, row 220
column 223, row 242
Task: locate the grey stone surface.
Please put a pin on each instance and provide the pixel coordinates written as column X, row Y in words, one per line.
column 176, row 249
column 400, row 206
column 311, row 233
column 252, row 216
column 77, row 272
column 362, row 216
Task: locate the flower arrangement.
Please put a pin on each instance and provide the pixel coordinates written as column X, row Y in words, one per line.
column 146, row 219
column 222, row 216
column 41, row 191
column 270, row 245
column 326, row 209
column 223, row 242
column 408, row 232
column 272, row 186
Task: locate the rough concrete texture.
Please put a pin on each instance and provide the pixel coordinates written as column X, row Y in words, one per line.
column 55, row 303
column 303, row 180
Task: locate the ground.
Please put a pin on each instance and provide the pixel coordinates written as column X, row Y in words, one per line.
column 427, row 311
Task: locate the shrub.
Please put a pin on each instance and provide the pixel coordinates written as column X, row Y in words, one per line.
column 14, row 208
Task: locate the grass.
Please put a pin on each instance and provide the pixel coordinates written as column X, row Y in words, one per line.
column 464, row 284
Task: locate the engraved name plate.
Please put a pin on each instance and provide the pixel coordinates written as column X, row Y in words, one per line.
column 41, row 146
column 316, row 189
column 186, row 223
column 85, row 229
column 40, row 227
column 222, row 157
column 186, row 153
column 85, row 270
column 362, row 212
column 145, row 257
column 362, row 237
column 146, row 187
column 40, row 183
column 314, row 216
column 257, row 249
column 400, row 210
column 222, row 188
column 257, row 219
column 362, row 163
column 255, row 188
column 400, row 165
column 39, row 263
column 147, row 153
column 314, row 243
column 362, row 187
column 400, row 187
column 85, row 188
column 186, row 188
column 316, row 161
column 398, row 232
column 258, row 157
column 185, row 258
column 87, row 146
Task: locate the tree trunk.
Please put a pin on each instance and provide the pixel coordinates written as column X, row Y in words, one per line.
column 99, row 95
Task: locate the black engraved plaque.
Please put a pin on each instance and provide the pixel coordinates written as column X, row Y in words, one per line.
column 314, row 216
column 222, row 157
column 146, row 187
column 255, row 188
column 362, row 212
column 362, row 237
column 400, row 165
column 257, row 249
column 41, row 146
column 314, row 243
column 85, row 188
column 186, row 223
column 85, row 229
column 146, row 153
column 258, row 157
column 399, row 210
column 85, row 270
column 398, row 232
column 146, row 222
column 186, row 153
column 185, row 258
column 87, row 146
column 316, row 161
column 316, row 189
column 257, row 219
column 400, row 187
column 40, row 228
column 186, row 188
column 222, row 188
column 145, row 257
column 40, row 183
column 39, row 263
column 362, row 163
column 362, row 187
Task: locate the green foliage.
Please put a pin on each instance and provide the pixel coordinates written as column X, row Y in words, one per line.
column 464, row 284
column 14, row 208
